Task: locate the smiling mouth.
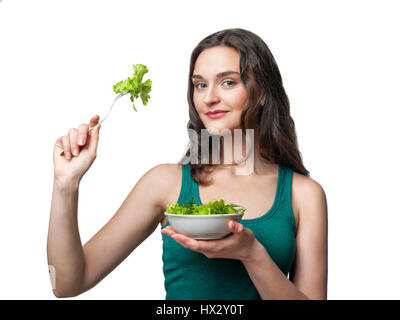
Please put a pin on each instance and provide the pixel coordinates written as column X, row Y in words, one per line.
column 216, row 114
column 216, row 111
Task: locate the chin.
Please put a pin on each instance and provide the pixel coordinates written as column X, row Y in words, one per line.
column 218, row 127
column 219, row 130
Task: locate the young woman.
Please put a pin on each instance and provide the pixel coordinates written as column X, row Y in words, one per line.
column 277, row 251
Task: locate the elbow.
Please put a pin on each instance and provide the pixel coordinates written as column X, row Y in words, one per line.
column 315, row 297
column 65, row 287
column 57, row 294
column 65, row 294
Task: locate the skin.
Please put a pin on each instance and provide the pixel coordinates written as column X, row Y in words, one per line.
column 229, row 93
column 219, row 92
column 76, row 268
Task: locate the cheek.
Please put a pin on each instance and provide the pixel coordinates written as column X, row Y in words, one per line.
column 239, row 99
column 196, row 101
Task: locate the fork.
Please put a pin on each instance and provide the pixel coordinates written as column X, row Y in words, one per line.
column 116, row 98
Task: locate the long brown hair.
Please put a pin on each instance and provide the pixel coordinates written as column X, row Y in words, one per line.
column 267, row 110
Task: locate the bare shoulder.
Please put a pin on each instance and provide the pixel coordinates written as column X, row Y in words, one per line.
column 306, row 187
column 308, row 197
column 166, row 179
column 168, row 170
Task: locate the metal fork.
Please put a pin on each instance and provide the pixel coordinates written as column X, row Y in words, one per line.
column 116, row 98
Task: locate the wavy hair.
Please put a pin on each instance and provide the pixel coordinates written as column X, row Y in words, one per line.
column 267, row 110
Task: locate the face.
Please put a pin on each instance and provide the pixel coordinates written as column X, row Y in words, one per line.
column 217, row 86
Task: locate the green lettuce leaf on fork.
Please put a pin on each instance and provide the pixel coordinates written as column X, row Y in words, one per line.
column 134, row 85
column 211, row 208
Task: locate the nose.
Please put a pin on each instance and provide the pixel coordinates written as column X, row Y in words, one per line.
column 211, row 97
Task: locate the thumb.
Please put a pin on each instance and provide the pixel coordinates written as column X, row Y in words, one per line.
column 235, row 226
column 94, row 139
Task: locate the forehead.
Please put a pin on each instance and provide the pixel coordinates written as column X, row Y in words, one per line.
column 217, row 59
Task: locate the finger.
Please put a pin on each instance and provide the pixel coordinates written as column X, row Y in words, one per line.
column 94, row 139
column 235, row 226
column 94, row 120
column 59, row 145
column 73, row 136
column 171, row 228
column 168, row 231
column 82, row 134
column 188, row 242
column 185, row 241
column 66, row 146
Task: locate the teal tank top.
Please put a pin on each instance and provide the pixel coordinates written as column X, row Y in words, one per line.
column 190, row 275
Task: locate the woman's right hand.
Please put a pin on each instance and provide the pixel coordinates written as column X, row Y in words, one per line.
column 71, row 166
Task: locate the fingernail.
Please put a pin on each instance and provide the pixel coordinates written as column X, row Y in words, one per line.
column 75, row 152
column 80, row 140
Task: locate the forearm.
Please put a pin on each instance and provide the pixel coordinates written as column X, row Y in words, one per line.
column 64, row 247
column 268, row 279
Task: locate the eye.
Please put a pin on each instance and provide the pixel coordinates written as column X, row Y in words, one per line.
column 231, row 82
column 196, row 85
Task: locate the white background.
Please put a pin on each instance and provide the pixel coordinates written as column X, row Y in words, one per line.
column 59, row 59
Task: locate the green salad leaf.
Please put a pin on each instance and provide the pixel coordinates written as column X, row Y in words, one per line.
column 213, row 207
column 134, row 85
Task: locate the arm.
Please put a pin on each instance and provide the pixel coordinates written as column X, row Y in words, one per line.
column 311, row 263
column 64, row 249
column 77, row 268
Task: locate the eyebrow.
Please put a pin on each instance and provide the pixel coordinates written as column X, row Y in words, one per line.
column 219, row 75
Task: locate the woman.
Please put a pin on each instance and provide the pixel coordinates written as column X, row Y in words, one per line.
column 284, row 230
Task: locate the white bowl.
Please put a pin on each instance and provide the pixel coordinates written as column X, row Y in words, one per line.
column 202, row 227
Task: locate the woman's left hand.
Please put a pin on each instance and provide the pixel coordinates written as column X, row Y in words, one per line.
column 240, row 245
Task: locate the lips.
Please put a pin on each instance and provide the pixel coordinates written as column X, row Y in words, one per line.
column 216, row 114
column 215, row 111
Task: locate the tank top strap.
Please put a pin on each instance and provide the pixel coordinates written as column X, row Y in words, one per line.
column 286, row 183
column 285, row 193
column 188, row 187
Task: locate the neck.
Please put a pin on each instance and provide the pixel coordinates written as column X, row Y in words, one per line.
column 233, row 149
